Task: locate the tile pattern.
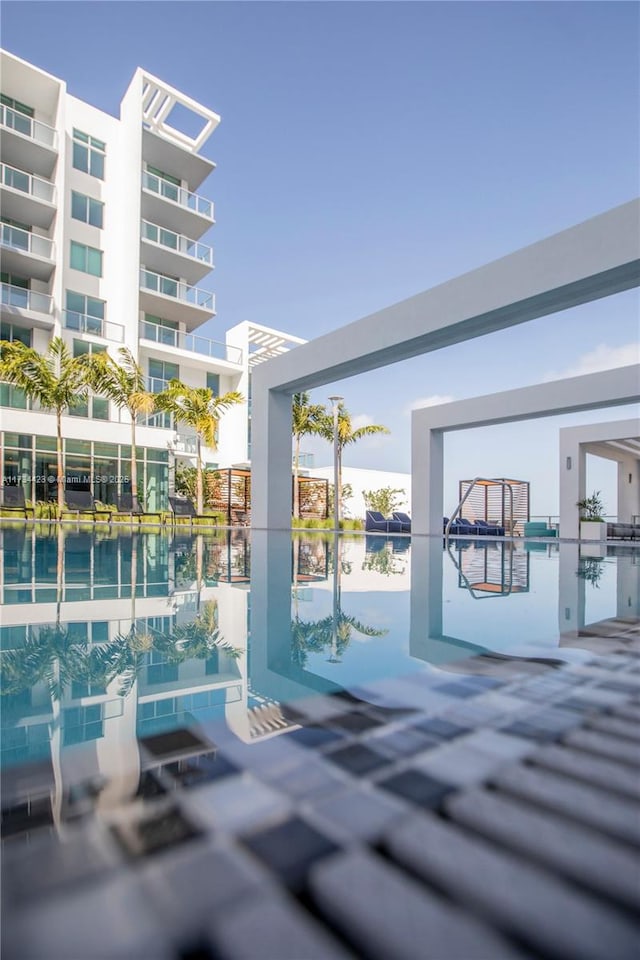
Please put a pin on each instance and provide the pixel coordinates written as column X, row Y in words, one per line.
column 499, row 822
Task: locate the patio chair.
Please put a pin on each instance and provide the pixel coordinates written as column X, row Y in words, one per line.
column 374, row 521
column 181, row 507
column 82, row 501
column 404, row 519
column 489, row 529
column 461, row 527
column 12, row 499
column 125, row 505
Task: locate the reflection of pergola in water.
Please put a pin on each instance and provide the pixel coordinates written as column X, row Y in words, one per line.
column 491, row 568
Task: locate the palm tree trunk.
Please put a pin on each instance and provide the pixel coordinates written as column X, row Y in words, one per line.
column 296, row 491
column 199, row 497
column 338, row 492
column 134, row 464
column 60, row 469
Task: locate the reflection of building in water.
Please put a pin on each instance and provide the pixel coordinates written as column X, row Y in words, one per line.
column 113, row 651
column 491, row 568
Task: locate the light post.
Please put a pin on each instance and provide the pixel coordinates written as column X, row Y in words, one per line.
column 335, row 404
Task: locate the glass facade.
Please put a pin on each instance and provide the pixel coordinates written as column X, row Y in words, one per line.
column 103, row 468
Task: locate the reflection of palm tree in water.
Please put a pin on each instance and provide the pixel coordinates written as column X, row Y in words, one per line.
column 56, row 658
column 334, row 631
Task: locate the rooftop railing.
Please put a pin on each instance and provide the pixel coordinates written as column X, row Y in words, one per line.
column 83, row 323
column 28, row 127
column 24, row 299
column 27, row 183
column 18, row 239
column 188, row 341
column 176, row 194
column 177, row 290
column 177, row 242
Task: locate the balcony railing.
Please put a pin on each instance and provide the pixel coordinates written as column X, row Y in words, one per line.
column 35, row 129
column 18, row 239
column 188, row 341
column 169, row 287
column 82, row 323
column 177, row 242
column 27, row 183
column 185, row 443
column 11, row 296
column 184, row 198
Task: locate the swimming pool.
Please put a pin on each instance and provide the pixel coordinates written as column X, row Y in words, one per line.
column 264, row 703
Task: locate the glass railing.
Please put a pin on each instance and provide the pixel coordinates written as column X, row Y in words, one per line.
column 19, row 239
column 28, row 126
column 177, row 242
column 27, row 183
column 169, row 287
column 188, row 341
column 82, row 323
column 11, row 296
column 171, row 191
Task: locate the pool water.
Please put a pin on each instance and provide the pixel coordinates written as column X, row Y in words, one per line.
column 111, row 635
column 230, row 746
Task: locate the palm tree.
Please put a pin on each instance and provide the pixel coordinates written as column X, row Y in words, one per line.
column 123, row 382
column 199, row 409
column 346, row 436
column 306, row 418
column 55, row 380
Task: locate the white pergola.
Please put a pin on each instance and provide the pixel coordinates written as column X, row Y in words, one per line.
column 594, row 259
column 607, row 388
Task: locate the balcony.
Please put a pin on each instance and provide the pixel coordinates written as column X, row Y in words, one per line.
column 26, row 253
column 28, row 142
column 165, row 251
column 177, row 301
column 164, row 342
column 26, row 198
column 189, row 213
column 81, row 323
column 33, row 309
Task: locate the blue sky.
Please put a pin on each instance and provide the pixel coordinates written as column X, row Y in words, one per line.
column 368, row 151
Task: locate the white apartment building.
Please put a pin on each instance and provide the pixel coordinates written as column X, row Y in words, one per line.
column 105, row 241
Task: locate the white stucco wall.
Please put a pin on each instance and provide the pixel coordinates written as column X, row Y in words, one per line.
column 361, row 479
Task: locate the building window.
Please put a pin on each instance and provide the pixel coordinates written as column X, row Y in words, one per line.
column 9, row 331
column 16, row 105
column 87, row 259
column 88, row 154
column 213, row 382
column 93, row 408
column 84, row 314
column 86, row 209
column 82, row 347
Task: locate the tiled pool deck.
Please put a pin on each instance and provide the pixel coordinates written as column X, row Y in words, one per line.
column 500, row 823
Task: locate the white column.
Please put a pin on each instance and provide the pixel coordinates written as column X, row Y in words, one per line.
column 271, row 459
column 628, row 489
column 572, row 482
column 427, row 470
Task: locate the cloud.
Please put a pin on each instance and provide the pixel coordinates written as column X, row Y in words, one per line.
column 366, row 420
column 433, row 401
column 603, row 357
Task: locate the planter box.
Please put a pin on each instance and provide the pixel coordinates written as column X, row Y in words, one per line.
column 593, row 530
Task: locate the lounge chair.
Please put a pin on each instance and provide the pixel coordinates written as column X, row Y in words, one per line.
column 82, row 501
column 489, row 529
column 125, row 505
column 181, row 507
column 460, row 527
column 12, row 499
column 404, row 519
column 375, row 522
